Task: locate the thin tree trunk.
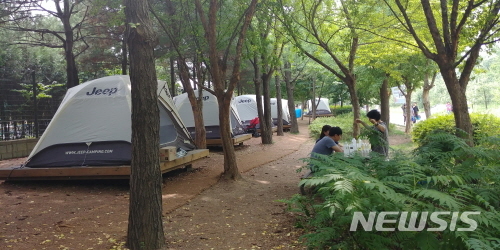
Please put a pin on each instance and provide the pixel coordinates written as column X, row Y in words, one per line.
column 289, row 92
column 172, row 77
column 408, row 111
column 145, row 228
column 428, row 85
column 384, row 101
column 351, row 84
column 71, row 69
column 460, row 109
column 200, row 139
column 124, row 57
column 217, row 69
column 279, row 106
column 313, row 100
column 267, row 134
column 230, row 172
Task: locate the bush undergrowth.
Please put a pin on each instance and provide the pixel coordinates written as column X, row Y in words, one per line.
column 445, row 174
column 483, row 125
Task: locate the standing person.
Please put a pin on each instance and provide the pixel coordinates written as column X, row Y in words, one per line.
column 381, row 145
column 415, row 112
column 324, row 132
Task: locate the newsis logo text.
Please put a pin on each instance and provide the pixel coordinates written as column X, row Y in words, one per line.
column 391, row 221
column 108, row 92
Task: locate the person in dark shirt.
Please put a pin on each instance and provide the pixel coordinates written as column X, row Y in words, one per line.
column 381, row 144
column 328, row 144
column 324, row 132
column 415, row 112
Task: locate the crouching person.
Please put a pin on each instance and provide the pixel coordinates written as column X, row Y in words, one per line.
column 326, row 146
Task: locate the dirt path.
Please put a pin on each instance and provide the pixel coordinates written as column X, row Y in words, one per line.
column 242, row 215
column 94, row 214
column 199, row 211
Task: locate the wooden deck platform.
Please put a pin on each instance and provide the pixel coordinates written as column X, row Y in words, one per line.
column 93, row 172
column 237, row 140
column 322, row 115
column 274, row 129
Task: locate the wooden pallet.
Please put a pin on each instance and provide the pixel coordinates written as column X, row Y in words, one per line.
column 274, row 129
column 93, row 172
column 322, row 115
column 237, row 140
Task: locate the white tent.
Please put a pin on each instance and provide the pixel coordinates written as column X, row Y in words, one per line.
column 285, row 112
column 247, row 107
column 92, row 126
column 210, row 115
column 322, row 108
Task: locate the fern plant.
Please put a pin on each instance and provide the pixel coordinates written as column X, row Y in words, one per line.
column 444, row 174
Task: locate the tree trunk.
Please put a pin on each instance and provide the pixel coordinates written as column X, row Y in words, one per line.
column 231, row 171
column 279, row 106
column 267, row 134
column 200, row 138
column 313, row 100
column 428, row 85
column 351, row 85
column 71, row 69
column 218, row 67
column 173, row 88
column 289, row 92
column 384, row 102
column 257, row 80
column 459, row 102
column 124, row 57
column 145, row 228
column 408, row 111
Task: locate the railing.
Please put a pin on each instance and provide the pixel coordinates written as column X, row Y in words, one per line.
column 22, row 129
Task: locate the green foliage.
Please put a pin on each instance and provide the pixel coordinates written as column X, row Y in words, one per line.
column 344, row 121
column 443, row 175
column 337, row 110
column 483, row 125
column 43, row 91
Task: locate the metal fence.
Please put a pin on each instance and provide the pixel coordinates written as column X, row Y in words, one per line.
column 24, row 114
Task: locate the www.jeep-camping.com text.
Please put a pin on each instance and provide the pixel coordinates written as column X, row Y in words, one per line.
column 80, row 152
column 387, row 221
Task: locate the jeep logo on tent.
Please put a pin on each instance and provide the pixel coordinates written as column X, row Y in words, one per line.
column 108, row 92
column 245, row 100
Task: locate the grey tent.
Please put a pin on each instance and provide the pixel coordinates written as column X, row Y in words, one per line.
column 92, row 126
column 210, row 115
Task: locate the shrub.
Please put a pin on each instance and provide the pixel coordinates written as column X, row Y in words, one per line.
column 337, row 110
column 343, row 121
column 442, row 175
column 484, row 125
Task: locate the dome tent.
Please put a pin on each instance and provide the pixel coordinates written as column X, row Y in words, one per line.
column 92, row 126
column 285, row 112
column 323, row 107
column 210, row 115
column 247, row 108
